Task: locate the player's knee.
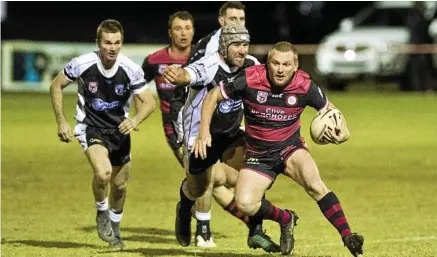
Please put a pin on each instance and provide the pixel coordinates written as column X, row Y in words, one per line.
column 103, row 176
column 119, row 184
column 246, row 205
column 220, row 177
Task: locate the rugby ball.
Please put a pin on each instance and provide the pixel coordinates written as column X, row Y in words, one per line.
column 324, row 121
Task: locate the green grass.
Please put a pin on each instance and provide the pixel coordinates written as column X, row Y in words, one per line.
column 385, row 177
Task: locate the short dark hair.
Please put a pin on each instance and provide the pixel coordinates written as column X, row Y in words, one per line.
column 109, row 26
column 231, row 5
column 183, row 15
column 284, row 47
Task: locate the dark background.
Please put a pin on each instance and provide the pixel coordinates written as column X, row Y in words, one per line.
column 146, row 22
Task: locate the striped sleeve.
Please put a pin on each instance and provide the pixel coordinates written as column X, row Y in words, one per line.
column 72, row 70
column 236, row 88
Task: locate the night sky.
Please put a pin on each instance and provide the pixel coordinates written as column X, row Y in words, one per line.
column 146, row 22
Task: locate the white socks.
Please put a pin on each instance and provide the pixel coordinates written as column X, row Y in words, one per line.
column 114, row 216
column 103, row 205
column 203, row 215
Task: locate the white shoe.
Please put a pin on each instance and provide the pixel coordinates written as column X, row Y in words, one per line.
column 200, row 242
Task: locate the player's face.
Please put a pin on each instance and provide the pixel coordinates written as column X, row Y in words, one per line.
column 181, row 33
column 109, row 46
column 237, row 52
column 233, row 17
column 281, row 67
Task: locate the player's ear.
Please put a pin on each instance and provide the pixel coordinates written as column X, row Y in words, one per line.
column 169, row 33
column 221, row 20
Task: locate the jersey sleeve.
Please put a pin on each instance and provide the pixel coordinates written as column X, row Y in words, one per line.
column 72, row 69
column 148, row 69
column 236, row 88
column 316, row 97
column 202, row 72
column 137, row 82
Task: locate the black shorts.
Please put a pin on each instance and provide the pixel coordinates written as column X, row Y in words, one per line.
column 219, row 144
column 118, row 144
column 272, row 163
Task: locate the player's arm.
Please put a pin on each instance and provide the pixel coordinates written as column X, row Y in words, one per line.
column 146, row 103
column 234, row 89
column 149, row 74
column 59, row 83
column 200, row 72
column 318, row 100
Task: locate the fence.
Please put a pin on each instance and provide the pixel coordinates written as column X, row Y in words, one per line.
column 31, row 66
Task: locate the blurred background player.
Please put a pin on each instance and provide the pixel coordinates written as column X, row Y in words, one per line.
column 202, row 76
column 274, row 96
column 181, row 32
column 106, row 80
column 230, row 13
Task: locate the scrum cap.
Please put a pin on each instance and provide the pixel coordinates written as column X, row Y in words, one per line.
column 232, row 34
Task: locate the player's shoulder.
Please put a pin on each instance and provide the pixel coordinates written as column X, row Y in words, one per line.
column 127, row 63
column 256, row 70
column 251, row 60
column 86, row 59
column 301, row 80
column 207, row 38
column 158, row 56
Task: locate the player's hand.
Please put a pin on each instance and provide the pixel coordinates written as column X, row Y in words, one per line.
column 127, row 125
column 64, row 132
column 171, row 74
column 200, row 143
column 339, row 133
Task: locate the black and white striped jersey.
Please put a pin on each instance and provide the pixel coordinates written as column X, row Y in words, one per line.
column 207, row 73
column 104, row 95
column 205, row 46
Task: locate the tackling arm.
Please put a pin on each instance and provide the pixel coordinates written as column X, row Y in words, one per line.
column 208, row 107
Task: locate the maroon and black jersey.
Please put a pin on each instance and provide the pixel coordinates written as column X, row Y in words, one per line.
column 272, row 114
column 153, row 67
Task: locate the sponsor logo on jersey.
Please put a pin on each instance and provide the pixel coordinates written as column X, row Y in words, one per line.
column 92, row 87
column 261, row 97
column 166, row 86
column 119, row 89
column 291, row 100
column 229, row 105
column 226, row 106
column 95, row 140
column 161, row 68
column 100, row 105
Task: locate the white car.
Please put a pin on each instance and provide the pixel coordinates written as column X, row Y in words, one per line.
column 365, row 46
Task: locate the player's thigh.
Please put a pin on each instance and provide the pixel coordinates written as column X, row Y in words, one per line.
column 233, row 156
column 251, row 186
column 99, row 160
column 301, row 167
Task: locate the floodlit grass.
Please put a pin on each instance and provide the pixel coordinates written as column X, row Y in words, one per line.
column 385, row 177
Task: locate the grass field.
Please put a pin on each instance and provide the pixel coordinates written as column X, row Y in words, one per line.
column 385, row 177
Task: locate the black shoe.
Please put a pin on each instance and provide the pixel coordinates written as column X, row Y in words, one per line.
column 354, row 243
column 104, row 229
column 287, row 236
column 183, row 226
column 203, row 236
column 263, row 241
